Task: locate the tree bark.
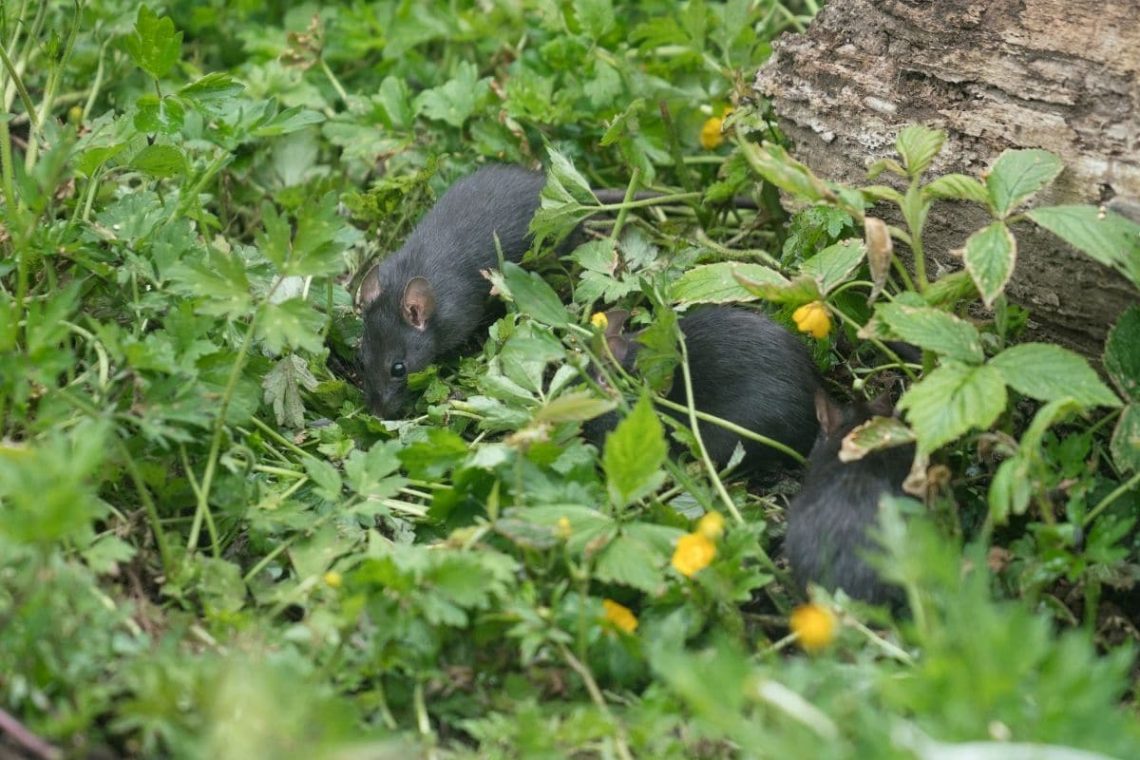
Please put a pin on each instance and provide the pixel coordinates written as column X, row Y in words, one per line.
column 1063, row 75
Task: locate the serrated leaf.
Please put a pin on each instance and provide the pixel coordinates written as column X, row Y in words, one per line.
column 990, row 255
column 802, row 289
column 960, row 187
column 1017, row 175
column 282, row 389
column 212, row 87
column 153, row 44
column 288, row 121
column 453, row 102
column 934, row 330
column 630, row 562
column 1110, row 238
column 533, row 296
column 574, row 407
column 293, row 323
column 633, row 455
column 658, row 356
column 1125, row 444
column 564, row 181
column 774, row 164
column 718, row 283
column 833, row 265
column 160, row 161
column 874, row 435
column 951, row 401
column 324, row 475
column 918, row 145
column 595, row 16
column 1047, row 372
column 1122, row 353
column 370, row 473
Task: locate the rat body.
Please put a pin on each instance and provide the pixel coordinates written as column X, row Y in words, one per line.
column 746, row 369
column 830, row 519
column 428, row 298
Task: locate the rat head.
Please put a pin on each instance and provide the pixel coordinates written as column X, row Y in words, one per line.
column 398, row 339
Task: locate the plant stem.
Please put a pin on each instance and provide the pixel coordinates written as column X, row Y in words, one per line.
column 621, row 745
column 733, row 427
column 1107, row 501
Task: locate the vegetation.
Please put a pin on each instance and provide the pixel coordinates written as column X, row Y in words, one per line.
column 209, row 547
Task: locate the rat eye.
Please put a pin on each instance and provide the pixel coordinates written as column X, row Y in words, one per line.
column 398, row 369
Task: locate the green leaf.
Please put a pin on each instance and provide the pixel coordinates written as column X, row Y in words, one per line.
column 153, row 45
column 564, row 182
column 951, row 401
column 533, row 296
column 833, row 265
column 435, row 457
column 802, row 289
column 324, row 475
column 282, row 386
column 633, row 455
column 718, row 283
column 630, row 562
column 959, row 187
column 1017, row 175
column 659, row 355
column 160, row 161
column 1047, row 372
column 1125, row 445
column 595, row 16
column 934, row 330
column 288, row 121
column 1010, row 489
column 370, row 473
column 454, row 102
column 1110, row 238
column 293, row 323
column 216, row 86
column 574, row 407
column 1122, row 353
column 918, row 145
column 990, row 256
column 773, row 163
column 874, row 435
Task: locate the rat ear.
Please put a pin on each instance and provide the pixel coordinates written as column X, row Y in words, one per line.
column 829, row 413
column 615, row 339
column 369, row 289
column 419, row 303
column 881, row 406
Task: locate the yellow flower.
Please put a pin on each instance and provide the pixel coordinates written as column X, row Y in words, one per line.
column 711, row 526
column 619, row 616
column 600, row 320
column 814, row 626
column 694, row 552
column 813, row 319
column 711, row 136
column 333, row 579
column 563, row 528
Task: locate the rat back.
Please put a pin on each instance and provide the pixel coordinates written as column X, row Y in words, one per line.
column 830, row 521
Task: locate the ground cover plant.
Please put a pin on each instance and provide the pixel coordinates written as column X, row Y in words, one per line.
column 209, row 546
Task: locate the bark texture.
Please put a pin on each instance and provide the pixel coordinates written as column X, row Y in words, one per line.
column 1063, row 75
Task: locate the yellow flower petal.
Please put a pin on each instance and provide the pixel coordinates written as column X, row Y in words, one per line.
column 619, row 616
column 694, row 552
column 600, row 320
column 333, row 579
column 711, row 136
column 814, row 625
column 813, row 318
column 711, row 526
column 563, row 528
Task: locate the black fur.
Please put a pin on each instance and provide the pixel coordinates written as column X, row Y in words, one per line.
column 828, row 522
column 448, row 248
column 745, row 369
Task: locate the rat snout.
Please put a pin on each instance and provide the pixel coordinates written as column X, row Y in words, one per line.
column 389, row 403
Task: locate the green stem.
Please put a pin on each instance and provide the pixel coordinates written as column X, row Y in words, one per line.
column 695, row 427
column 663, row 200
column 219, row 429
column 621, row 746
column 1107, row 501
column 623, row 212
column 148, row 505
column 733, row 427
